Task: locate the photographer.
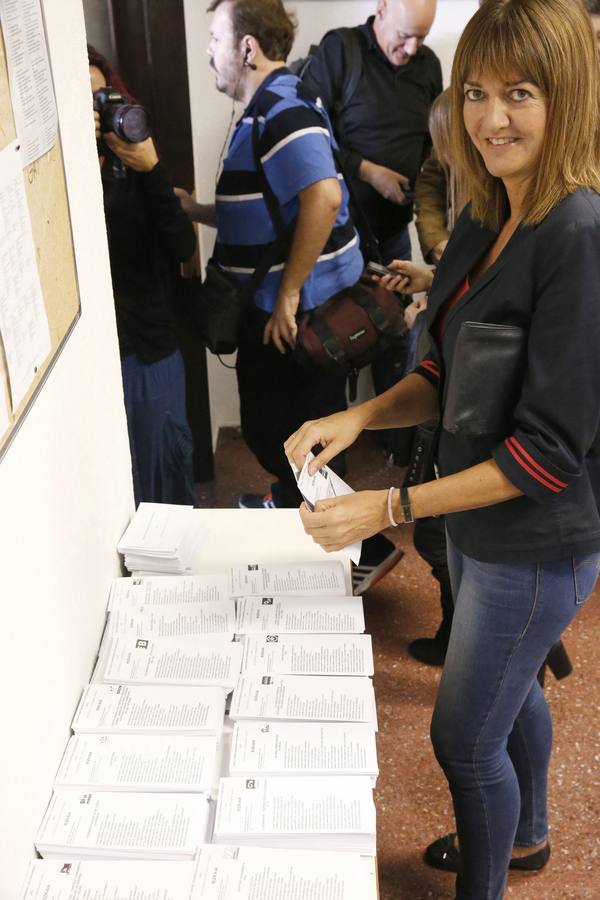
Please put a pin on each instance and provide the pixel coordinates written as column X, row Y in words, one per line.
column 149, row 235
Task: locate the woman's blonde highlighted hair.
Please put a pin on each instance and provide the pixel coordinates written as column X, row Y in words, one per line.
column 551, row 44
column 440, row 131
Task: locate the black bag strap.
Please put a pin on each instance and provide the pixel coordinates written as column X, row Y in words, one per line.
column 330, row 342
column 381, row 322
column 285, row 233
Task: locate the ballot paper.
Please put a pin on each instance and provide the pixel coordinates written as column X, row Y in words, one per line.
column 150, row 709
column 312, row 812
column 288, row 615
column 162, row 537
column 49, row 879
column 30, row 78
column 23, row 320
column 138, row 762
column 307, row 654
column 210, row 659
column 260, row 873
column 219, row 873
column 121, row 825
column 324, row 485
column 303, row 748
column 323, row 577
column 205, row 617
column 166, row 590
column 304, row 698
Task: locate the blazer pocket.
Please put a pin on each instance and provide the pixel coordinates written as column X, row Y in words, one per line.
column 485, row 380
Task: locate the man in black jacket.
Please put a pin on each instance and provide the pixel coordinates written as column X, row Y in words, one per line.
column 378, row 82
column 382, row 128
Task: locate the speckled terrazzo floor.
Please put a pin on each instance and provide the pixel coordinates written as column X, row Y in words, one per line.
column 413, row 803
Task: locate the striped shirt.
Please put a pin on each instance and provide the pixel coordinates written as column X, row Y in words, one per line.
column 295, row 149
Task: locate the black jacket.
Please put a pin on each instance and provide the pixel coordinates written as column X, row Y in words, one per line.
column 385, row 121
column 149, row 234
column 546, row 280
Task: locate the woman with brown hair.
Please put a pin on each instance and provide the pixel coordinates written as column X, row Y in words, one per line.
column 522, row 520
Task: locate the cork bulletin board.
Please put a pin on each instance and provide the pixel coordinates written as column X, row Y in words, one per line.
column 46, row 192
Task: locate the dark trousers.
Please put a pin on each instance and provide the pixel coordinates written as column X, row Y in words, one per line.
column 429, row 536
column 159, row 435
column 277, row 395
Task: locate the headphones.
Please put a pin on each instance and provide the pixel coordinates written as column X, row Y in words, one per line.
column 246, row 63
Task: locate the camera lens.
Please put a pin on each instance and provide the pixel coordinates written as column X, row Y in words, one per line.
column 131, row 123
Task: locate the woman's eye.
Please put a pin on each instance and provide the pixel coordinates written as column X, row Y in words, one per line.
column 520, row 94
column 473, row 94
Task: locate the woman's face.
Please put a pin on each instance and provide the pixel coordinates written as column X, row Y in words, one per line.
column 97, row 79
column 506, row 120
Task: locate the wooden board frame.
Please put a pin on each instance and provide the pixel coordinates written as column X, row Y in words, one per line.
column 47, row 199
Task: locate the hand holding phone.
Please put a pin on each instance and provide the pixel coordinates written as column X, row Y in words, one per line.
column 374, row 268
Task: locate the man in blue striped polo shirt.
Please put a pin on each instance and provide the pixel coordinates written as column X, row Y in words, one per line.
column 250, row 41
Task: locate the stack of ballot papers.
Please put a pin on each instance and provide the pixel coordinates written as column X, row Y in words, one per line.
column 208, row 617
column 303, row 748
column 114, row 825
column 324, row 577
column 49, row 879
column 308, row 654
column 258, row 873
column 162, row 537
column 213, row 660
column 219, row 873
column 138, row 762
column 309, row 812
column 304, row 698
column 164, row 591
column 150, row 709
column 288, row 614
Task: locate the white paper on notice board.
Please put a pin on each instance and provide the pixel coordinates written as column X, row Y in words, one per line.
column 30, row 78
column 23, row 319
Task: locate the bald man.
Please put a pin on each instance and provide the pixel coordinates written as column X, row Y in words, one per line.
column 382, row 128
column 380, row 121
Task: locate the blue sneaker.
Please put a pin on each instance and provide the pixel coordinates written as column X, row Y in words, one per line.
column 255, row 501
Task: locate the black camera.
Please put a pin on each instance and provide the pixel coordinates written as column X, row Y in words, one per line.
column 128, row 121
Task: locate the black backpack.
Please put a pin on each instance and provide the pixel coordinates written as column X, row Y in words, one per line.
column 353, row 67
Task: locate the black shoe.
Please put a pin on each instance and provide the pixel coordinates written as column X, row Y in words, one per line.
column 444, row 854
column 431, row 651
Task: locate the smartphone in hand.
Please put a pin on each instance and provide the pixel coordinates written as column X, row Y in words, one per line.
column 374, row 268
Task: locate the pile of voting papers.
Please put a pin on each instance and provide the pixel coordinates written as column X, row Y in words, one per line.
column 225, row 748
column 162, row 537
column 219, row 873
column 309, row 812
column 123, row 825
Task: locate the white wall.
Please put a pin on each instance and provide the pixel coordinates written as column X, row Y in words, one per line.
column 211, row 112
column 65, row 495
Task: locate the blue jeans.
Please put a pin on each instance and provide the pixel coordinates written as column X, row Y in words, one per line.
column 160, row 439
column 491, row 728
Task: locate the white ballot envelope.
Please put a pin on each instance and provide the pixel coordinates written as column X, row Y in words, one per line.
column 324, row 485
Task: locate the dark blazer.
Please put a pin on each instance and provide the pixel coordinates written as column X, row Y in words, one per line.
column 546, row 280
